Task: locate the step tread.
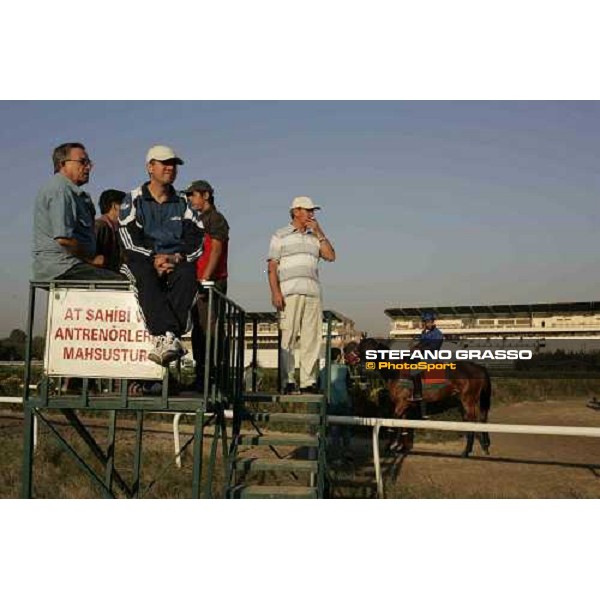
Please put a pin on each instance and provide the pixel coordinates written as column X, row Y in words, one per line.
column 284, row 398
column 280, row 439
column 273, row 491
column 276, row 464
column 276, row 416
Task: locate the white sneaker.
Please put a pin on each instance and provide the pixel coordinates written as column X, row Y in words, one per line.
column 172, row 349
column 155, row 355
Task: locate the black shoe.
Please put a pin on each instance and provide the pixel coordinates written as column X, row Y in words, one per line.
column 310, row 389
column 290, row 388
column 593, row 403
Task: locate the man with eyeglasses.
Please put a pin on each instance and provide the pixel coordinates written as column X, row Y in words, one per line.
column 162, row 238
column 64, row 238
column 294, row 254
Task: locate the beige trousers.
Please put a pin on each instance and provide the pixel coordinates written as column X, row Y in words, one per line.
column 302, row 316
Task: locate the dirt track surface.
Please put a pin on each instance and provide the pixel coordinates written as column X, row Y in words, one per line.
column 519, row 466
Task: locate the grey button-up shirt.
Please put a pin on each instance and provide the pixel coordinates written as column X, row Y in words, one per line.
column 61, row 210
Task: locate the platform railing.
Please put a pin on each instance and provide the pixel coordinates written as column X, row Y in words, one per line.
column 223, row 372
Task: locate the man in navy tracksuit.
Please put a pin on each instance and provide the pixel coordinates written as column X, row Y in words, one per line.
column 162, row 238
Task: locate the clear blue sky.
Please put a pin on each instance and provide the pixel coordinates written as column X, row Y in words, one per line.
column 426, row 202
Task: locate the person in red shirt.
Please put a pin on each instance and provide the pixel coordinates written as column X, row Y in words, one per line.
column 211, row 266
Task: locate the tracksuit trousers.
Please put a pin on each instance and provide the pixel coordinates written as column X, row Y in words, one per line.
column 166, row 300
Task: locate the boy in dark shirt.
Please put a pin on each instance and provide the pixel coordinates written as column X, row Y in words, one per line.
column 211, row 266
column 107, row 226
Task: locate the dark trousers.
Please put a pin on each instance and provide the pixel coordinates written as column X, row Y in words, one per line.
column 164, row 300
column 200, row 324
column 87, row 272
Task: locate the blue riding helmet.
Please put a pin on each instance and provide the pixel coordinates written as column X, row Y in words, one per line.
column 428, row 315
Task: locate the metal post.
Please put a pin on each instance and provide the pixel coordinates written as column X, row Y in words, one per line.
column 85, row 391
column 239, row 393
column 165, row 389
column 377, row 462
column 28, row 411
column 323, row 411
column 328, row 357
column 208, row 339
column 198, row 451
column 254, row 351
column 110, row 449
column 225, row 448
column 213, row 453
column 218, row 380
column 137, row 458
column 239, row 364
column 123, row 392
column 27, row 469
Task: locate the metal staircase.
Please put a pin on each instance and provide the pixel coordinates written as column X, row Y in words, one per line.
column 295, row 466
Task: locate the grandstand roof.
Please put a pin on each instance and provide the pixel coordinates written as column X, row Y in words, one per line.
column 498, row 309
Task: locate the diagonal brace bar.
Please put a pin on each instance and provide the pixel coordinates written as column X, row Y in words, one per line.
column 78, row 460
column 95, row 448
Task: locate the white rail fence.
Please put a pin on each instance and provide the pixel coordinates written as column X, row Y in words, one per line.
column 377, row 424
column 19, row 400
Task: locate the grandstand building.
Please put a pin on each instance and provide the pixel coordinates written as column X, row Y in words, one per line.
column 560, row 320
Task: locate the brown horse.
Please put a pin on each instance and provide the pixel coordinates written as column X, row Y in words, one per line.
column 469, row 382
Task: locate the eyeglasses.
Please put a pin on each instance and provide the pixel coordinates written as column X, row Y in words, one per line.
column 84, row 162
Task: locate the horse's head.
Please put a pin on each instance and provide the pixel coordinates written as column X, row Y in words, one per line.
column 371, row 344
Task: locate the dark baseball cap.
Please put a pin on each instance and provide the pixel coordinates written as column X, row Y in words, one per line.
column 199, row 186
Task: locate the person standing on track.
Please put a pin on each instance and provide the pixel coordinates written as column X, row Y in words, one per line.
column 294, row 255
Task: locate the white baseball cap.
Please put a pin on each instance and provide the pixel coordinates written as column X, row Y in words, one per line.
column 304, row 202
column 162, row 153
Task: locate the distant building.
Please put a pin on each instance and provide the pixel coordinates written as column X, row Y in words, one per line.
column 267, row 336
column 561, row 320
column 343, row 331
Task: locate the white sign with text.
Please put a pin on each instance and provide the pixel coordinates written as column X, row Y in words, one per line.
column 97, row 333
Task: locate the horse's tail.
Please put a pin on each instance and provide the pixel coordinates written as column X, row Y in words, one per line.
column 485, row 397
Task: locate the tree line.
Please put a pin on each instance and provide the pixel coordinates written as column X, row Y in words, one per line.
column 13, row 347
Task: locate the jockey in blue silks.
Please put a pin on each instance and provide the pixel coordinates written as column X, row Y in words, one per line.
column 431, row 338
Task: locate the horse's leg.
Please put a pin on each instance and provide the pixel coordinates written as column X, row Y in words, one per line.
column 399, row 396
column 485, row 396
column 407, row 436
column 469, row 445
column 484, row 442
column 470, row 402
column 484, row 436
